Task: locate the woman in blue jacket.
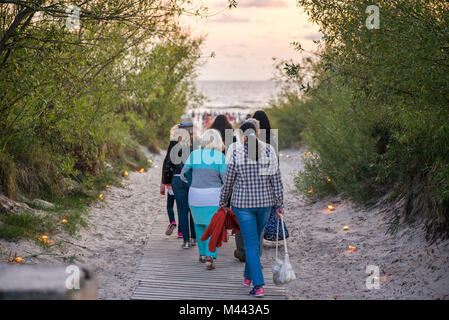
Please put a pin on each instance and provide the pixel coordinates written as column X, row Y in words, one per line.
column 208, row 167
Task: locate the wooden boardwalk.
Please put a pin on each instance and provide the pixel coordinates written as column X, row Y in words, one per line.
column 168, row 272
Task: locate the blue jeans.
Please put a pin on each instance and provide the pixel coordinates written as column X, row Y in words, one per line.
column 170, row 207
column 252, row 222
column 181, row 191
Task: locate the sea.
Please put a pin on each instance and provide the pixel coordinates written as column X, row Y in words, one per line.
column 239, row 97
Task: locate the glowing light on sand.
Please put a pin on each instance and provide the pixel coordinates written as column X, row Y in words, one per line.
column 155, row 166
column 64, row 221
column 352, row 248
column 329, row 180
column 142, row 170
column 126, row 173
column 346, row 228
column 330, row 207
column 150, row 161
column 19, row 260
column 107, row 186
column 100, row 196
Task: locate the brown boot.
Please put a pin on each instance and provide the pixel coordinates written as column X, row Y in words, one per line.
column 210, row 265
column 242, row 258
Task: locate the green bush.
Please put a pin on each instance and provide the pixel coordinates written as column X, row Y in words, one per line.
column 376, row 107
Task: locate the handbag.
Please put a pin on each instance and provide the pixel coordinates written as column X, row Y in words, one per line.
column 282, row 270
column 269, row 232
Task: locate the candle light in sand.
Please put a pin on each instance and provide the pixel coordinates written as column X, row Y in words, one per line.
column 346, row 228
column 330, row 207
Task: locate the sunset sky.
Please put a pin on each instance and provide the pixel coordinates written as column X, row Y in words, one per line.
column 246, row 38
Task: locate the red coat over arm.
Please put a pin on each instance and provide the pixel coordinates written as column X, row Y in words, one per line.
column 217, row 230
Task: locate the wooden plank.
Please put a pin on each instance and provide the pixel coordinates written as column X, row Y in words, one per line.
column 167, row 272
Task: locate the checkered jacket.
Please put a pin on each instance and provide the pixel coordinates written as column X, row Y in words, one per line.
column 253, row 184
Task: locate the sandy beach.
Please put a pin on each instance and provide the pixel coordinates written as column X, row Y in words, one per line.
column 325, row 267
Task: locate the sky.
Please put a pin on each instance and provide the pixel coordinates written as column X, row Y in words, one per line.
column 246, row 38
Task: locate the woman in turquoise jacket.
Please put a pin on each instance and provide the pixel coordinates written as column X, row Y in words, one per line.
column 208, row 166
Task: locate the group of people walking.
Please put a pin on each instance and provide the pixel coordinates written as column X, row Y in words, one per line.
column 224, row 168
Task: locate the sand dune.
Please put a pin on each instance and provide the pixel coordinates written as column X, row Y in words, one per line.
column 319, row 247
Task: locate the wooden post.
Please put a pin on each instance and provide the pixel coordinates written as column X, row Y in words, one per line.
column 47, row 282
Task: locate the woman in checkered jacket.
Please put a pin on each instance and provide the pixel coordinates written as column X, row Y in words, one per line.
column 254, row 180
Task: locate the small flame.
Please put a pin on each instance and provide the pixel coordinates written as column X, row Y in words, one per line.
column 19, row 259
column 329, row 180
column 44, row 239
column 142, row 170
column 64, row 221
column 346, row 228
column 352, row 248
column 100, row 196
column 107, row 186
column 126, row 173
column 330, row 207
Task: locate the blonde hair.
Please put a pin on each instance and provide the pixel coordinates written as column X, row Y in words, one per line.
column 211, row 139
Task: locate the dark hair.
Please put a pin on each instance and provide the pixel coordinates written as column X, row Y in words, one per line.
column 249, row 126
column 264, row 123
column 221, row 123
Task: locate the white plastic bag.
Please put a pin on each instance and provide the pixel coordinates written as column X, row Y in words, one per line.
column 282, row 270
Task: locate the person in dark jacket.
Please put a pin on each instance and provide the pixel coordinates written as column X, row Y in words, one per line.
column 268, row 137
column 222, row 124
column 180, row 147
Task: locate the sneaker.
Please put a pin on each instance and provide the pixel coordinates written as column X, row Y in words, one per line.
column 193, row 242
column 170, row 228
column 186, row 245
column 202, row 259
column 257, row 292
column 246, row 282
column 210, row 265
column 179, row 235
